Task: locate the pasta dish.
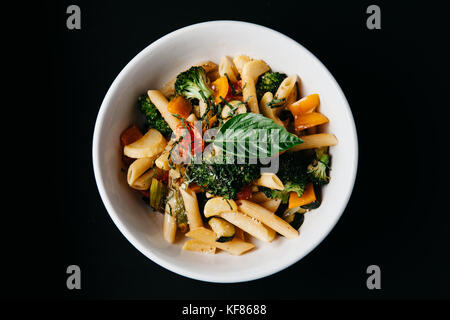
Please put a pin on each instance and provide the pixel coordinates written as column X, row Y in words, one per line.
column 229, row 151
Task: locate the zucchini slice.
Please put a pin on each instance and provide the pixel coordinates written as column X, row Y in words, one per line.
column 157, row 192
column 297, row 221
column 294, row 217
column 224, row 230
column 313, row 205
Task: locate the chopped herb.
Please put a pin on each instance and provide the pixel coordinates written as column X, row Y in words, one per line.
column 275, row 103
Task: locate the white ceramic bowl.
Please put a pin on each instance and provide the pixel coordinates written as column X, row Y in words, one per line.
column 157, row 64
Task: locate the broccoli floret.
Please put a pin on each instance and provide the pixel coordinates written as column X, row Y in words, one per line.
column 154, row 118
column 221, row 179
column 269, row 81
column 292, row 172
column 275, row 194
column 194, row 84
column 318, row 169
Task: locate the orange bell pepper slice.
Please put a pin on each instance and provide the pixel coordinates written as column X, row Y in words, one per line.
column 195, row 187
column 212, row 121
column 130, row 135
column 181, row 106
column 305, row 105
column 220, row 87
column 307, row 197
column 308, row 120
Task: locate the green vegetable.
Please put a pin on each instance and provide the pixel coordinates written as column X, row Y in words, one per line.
column 221, row 179
column 176, row 208
column 292, row 172
column 252, row 136
column 224, row 230
column 194, row 84
column 275, row 194
column 154, row 118
column 294, row 216
column 202, row 199
column 269, row 82
column 233, row 90
column 319, row 167
column 297, row 220
column 157, row 192
column 313, row 205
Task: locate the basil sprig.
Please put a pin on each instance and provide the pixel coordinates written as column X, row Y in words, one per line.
column 253, row 135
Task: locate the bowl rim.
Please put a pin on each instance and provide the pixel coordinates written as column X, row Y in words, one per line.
column 242, row 277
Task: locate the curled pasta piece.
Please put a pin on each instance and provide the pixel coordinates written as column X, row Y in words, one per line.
column 150, row 145
column 270, row 180
column 286, row 87
column 144, row 181
column 160, row 101
column 138, row 168
column 227, row 67
column 250, row 73
column 267, row 111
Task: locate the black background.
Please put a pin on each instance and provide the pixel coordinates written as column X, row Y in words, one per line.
column 397, row 217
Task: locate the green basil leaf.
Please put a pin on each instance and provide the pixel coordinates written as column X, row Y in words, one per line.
column 251, row 135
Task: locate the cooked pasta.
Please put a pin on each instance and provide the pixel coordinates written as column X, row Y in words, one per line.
column 314, row 141
column 249, row 225
column 138, row 168
column 161, row 103
column 270, row 180
column 150, row 145
column 286, row 87
column 144, row 181
column 268, row 218
column 227, row 68
column 199, row 246
column 271, row 204
column 267, row 111
column 192, row 210
column 250, row 73
column 240, row 61
column 169, row 227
